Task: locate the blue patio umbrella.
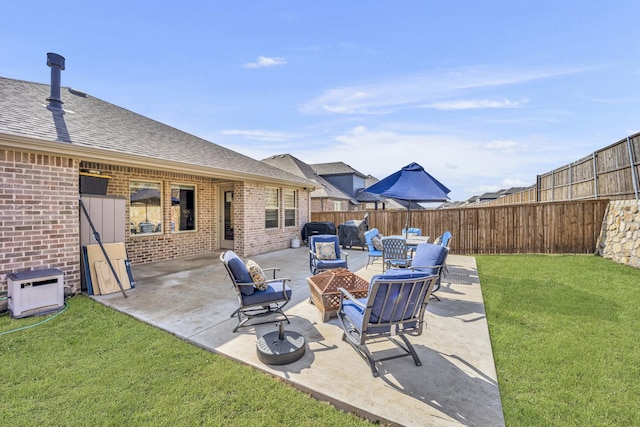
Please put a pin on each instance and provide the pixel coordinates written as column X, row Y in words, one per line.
column 412, row 184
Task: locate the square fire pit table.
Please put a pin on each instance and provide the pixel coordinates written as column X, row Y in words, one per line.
column 324, row 289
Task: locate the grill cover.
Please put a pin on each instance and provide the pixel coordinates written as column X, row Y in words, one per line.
column 351, row 233
column 313, row 228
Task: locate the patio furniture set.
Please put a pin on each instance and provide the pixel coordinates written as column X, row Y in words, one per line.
column 391, row 305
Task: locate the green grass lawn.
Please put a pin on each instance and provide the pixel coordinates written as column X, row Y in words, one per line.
column 564, row 329
column 565, row 332
column 94, row 366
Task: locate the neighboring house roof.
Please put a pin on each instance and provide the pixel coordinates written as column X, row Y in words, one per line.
column 335, row 168
column 490, row 196
column 295, row 166
column 449, row 205
column 365, row 196
column 513, row 190
column 94, row 127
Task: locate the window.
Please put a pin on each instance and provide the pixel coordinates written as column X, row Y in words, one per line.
column 145, row 207
column 337, row 206
column 290, row 208
column 272, row 207
column 228, row 215
column 183, row 207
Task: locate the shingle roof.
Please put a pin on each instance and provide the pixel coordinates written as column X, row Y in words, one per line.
column 335, row 168
column 366, row 197
column 293, row 165
column 91, row 122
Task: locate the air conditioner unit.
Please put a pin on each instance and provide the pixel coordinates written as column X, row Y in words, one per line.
column 35, row 292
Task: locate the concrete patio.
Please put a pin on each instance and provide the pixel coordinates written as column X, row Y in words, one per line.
column 456, row 384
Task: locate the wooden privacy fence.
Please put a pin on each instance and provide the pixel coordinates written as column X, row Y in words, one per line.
column 529, row 195
column 611, row 173
column 562, row 227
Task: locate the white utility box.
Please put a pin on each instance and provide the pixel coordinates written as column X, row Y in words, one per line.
column 35, row 292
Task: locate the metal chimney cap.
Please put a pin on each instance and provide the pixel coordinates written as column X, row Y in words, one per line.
column 55, row 59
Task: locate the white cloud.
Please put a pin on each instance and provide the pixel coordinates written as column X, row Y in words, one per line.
column 517, row 182
column 467, row 166
column 473, row 104
column 265, row 61
column 261, row 135
column 416, row 91
column 508, row 147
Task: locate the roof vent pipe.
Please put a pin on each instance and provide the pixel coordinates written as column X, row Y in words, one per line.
column 56, row 62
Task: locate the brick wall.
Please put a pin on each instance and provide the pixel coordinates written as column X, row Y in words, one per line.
column 39, row 217
column 147, row 248
column 250, row 235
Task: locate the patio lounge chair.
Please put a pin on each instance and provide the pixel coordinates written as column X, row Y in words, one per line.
column 324, row 253
column 444, row 239
column 373, row 252
column 394, row 308
column 254, row 302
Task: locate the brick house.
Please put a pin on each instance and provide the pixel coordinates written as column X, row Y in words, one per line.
column 203, row 197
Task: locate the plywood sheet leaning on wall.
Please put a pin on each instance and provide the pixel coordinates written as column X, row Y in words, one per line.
column 101, row 278
column 105, row 280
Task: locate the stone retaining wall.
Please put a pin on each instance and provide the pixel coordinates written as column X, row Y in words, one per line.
column 620, row 235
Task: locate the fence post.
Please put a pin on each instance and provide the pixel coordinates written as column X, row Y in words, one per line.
column 595, row 175
column 632, row 162
column 571, row 181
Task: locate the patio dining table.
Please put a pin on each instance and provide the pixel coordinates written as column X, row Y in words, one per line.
column 413, row 240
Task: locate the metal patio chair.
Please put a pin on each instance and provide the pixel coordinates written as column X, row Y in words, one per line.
column 411, row 230
column 394, row 308
column 325, row 254
column 430, row 259
column 395, row 253
column 254, row 302
column 373, row 252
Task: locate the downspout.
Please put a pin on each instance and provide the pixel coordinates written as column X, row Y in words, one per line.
column 309, row 205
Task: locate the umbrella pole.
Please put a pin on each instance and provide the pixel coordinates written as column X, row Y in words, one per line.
column 406, row 227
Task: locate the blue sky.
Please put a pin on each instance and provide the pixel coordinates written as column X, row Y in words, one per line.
column 484, row 95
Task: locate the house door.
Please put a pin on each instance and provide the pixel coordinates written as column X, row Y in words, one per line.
column 226, row 218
